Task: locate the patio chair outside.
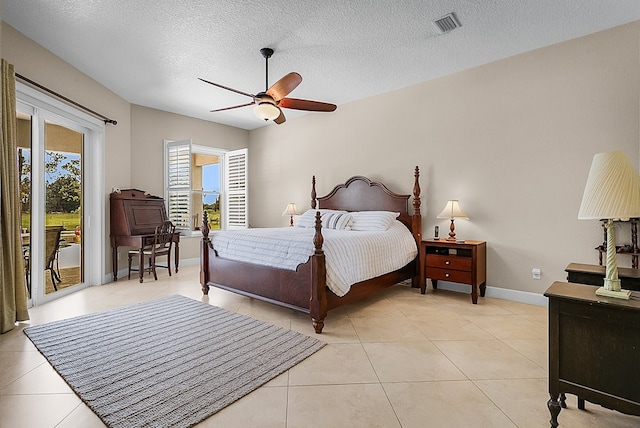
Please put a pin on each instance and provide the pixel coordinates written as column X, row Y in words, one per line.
column 52, row 247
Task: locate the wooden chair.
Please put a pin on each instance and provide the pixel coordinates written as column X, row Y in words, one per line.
column 161, row 246
column 52, row 247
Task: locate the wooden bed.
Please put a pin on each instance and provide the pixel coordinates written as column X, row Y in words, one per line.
column 304, row 289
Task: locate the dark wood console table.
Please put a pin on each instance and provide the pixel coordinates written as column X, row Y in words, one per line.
column 594, row 349
column 594, row 275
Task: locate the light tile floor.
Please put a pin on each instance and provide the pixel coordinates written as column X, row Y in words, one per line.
column 400, row 359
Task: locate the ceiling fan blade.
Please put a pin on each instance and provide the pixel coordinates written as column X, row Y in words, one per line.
column 280, row 119
column 227, row 88
column 284, row 86
column 231, row 108
column 308, row 105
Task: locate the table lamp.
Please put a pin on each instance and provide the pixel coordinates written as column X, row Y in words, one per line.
column 612, row 192
column 291, row 210
column 452, row 211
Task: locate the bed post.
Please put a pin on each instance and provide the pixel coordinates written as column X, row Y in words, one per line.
column 313, row 192
column 416, row 227
column 204, row 254
column 318, row 301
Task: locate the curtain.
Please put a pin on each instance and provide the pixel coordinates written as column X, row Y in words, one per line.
column 13, row 293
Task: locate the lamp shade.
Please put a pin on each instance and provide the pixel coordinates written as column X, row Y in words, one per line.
column 612, row 190
column 266, row 111
column 291, row 210
column 452, row 210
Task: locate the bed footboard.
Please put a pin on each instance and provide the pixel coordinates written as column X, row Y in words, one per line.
column 303, row 290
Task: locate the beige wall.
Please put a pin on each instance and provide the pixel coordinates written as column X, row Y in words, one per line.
column 35, row 62
column 150, row 128
column 512, row 140
column 38, row 64
column 138, row 164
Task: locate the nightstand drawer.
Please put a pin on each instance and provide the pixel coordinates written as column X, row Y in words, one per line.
column 449, row 262
column 462, row 277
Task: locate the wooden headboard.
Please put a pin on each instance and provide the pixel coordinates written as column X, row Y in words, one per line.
column 361, row 194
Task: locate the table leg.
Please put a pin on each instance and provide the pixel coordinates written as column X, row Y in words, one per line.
column 483, row 289
column 114, row 263
column 474, row 294
column 141, row 264
column 554, row 409
column 177, row 255
column 423, row 278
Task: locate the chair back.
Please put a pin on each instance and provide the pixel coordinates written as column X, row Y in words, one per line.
column 52, row 243
column 163, row 238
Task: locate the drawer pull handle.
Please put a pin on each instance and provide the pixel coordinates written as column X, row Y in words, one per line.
column 447, row 275
column 447, row 262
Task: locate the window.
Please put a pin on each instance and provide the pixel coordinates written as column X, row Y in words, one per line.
column 199, row 178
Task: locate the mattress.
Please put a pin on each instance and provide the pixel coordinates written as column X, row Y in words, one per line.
column 351, row 256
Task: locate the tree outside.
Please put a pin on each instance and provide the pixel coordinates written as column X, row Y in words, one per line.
column 62, row 187
column 213, row 212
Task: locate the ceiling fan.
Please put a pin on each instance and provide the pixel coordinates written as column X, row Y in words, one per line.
column 269, row 104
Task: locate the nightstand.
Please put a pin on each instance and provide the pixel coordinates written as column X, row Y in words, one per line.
column 463, row 263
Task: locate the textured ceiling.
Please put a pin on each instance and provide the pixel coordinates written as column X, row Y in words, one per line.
column 151, row 52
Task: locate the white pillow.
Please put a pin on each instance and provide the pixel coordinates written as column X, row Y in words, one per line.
column 373, row 220
column 307, row 219
column 331, row 219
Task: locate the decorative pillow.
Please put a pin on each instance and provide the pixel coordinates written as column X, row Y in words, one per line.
column 373, row 220
column 339, row 220
column 331, row 219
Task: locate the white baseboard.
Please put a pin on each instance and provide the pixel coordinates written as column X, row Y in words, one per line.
column 498, row 293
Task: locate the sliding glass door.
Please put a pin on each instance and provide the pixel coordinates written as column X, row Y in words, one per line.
column 63, row 202
column 53, row 154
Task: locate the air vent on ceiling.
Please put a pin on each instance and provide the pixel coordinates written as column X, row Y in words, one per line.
column 447, row 23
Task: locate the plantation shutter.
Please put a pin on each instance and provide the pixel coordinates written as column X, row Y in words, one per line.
column 178, row 182
column 236, row 189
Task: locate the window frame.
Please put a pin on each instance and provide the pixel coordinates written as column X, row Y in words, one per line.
column 234, row 164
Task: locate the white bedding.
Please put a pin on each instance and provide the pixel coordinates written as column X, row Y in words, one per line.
column 351, row 256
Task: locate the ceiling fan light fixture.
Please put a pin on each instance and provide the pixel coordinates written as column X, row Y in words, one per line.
column 268, row 103
column 266, row 110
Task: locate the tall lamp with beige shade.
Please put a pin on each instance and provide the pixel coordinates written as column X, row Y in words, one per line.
column 612, row 192
column 452, row 211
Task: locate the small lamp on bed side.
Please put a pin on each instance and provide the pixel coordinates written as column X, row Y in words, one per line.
column 291, row 210
column 452, row 211
column 612, row 192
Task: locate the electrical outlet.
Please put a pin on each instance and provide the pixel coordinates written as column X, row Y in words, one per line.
column 535, row 273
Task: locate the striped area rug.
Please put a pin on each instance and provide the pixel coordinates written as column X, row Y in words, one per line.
column 170, row 362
